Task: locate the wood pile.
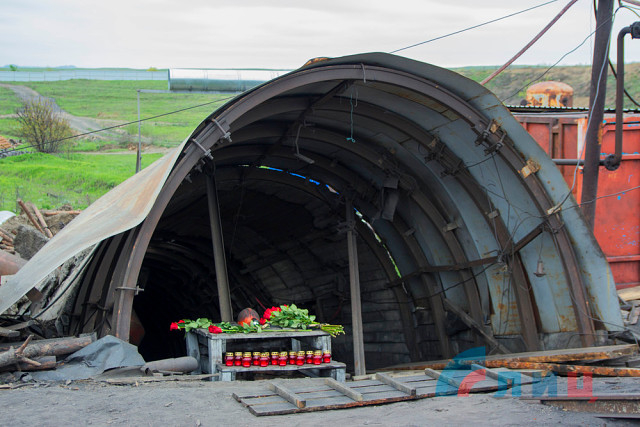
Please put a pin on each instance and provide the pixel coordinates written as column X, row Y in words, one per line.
column 630, row 305
column 47, row 222
column 39, row 355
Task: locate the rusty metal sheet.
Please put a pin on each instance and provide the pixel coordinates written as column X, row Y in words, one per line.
column 605, row 371
column 119, row 210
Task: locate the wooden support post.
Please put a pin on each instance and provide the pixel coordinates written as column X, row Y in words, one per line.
column 288, row 395
column 354, row 287
column 222, row 279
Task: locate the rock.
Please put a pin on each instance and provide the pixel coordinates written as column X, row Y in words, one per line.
column 28, row 241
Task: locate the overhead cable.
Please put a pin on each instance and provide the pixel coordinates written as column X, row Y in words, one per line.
column 473, row 27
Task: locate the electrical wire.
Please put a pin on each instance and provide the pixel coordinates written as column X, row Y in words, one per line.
column 473, row 27
column 121, row 124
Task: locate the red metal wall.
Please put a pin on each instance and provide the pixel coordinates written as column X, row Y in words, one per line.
column 617, row 227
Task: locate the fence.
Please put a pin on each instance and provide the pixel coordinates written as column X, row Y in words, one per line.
column 45, row 76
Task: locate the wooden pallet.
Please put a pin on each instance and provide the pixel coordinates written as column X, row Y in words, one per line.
column 325, row 394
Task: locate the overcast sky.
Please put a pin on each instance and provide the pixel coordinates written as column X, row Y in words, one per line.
column 286, row 33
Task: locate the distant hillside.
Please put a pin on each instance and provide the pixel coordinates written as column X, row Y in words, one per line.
column 511, row 85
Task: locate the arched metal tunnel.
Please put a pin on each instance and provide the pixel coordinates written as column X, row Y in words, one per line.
column 465, row 233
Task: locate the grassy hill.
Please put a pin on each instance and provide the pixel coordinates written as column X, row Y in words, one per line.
column 511, row 85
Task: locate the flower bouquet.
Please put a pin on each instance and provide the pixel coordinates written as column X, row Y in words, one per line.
column 285, row 317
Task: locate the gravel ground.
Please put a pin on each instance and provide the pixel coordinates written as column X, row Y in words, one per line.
column 206, row 403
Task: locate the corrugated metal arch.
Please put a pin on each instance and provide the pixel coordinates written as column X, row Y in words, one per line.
column 479, row 203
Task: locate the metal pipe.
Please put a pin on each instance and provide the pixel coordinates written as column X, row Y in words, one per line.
column 573, row 162
column 612, row 162
column 222, row 279
column 354, row 286
column 596, row 111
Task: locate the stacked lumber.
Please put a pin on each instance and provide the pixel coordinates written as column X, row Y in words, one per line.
column 615, row 360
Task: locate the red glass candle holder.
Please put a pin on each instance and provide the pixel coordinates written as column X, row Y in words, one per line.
column 228, row 359
column 264, row 360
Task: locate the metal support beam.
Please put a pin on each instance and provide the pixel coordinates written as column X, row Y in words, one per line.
column 222, row 279
column 597, row 95
column 354, row 286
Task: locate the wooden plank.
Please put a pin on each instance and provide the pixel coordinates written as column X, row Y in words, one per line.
column 266, row 334
column 561, row 355
column 410, row 390
column 288, row 395
column 630, row 294
column 329, row 402
column 579, row 369
column 135, row 380
column 438, row 376
column 8, row 333
column 277, row 409
column 342, row 388
column 324, row 366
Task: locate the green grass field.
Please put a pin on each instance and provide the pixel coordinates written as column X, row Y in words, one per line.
column 78, row 179
column 50, row 181
column 117, row 101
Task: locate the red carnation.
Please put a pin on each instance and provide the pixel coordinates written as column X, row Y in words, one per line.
column 263, row 321
column 214, row 329
column 267, row 314
column 180, row 321
column 174, row 327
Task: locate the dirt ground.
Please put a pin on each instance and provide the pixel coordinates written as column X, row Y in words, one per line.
column 205, row 403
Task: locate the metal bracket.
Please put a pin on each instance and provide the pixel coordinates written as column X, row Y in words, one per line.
column 493, row 214
column 483, row 138
column 453, row 170
column 225, row 134
column 204, row 150
column 450, row 227
column 531, row 167
column 346, row 226
column 137, row 289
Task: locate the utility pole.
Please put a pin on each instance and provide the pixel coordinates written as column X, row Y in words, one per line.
column 597, row 95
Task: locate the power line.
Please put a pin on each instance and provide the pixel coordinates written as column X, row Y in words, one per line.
column 473, row 27
column 121, row 124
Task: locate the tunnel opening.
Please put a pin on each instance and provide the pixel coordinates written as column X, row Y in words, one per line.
column 284, row 243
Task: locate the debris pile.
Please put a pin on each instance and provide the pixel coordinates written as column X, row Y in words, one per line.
column 21, row 237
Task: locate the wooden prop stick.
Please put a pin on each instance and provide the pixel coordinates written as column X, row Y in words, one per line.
column 43, row 223
column 31, row 218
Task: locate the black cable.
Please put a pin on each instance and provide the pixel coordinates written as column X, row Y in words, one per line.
column 473, row 27
column 503, row 100
column 121, row 125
